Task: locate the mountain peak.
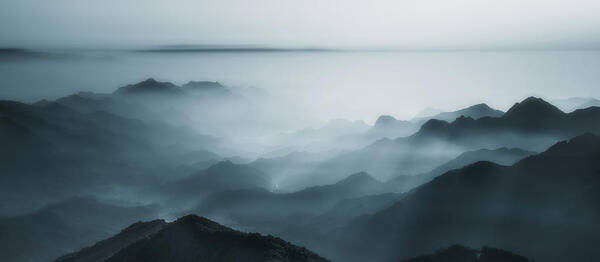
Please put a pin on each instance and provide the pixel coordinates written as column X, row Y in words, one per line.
column 150, row 86
column 481, row 106
column 385, row 120
column 434, row 125
column 533, row 108
column 149, row 81
column 475, row 111
column 194, row 222
column 532, row 100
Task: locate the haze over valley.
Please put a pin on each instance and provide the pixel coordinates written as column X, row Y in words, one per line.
column 297, row 131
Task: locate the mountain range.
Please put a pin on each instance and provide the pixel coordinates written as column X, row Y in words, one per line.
column 532, row 124
column 52, row 151
column 502, row 156
column 223, row 176
column 161, row 150
column 475, row 111
column 153, row 87
column 574, row 103
column 340, row 135
column 544, row 207
column 260, row 209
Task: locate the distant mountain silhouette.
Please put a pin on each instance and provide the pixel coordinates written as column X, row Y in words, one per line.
column 150, row 86
column 390, row 127
column 160, row 89
column 532, row 124
column 22, row 54
column 475, row 111
column 88, row 102
column 286, row 163
column 330, row 220
column 63, row 227
column 502, row 156
column 48, row 143
column 200, row 86
column 385, row 120
column 152, row 100
column 459, row 253
column 192, row 238
column 574, row 103
column 533, row 116
column 531, row 109
column 533, row 207
column 224, row 175
column 347, row 209
column 334, row 136
column 590, row 103
column 207, row 107
column 259, row 208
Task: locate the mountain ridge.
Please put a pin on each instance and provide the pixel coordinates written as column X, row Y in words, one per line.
column 513, row 208
column 192, row 238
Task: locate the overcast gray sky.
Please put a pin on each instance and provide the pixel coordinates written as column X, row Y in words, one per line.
column 350, row 23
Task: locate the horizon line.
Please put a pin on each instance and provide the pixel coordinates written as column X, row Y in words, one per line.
column 249, row 48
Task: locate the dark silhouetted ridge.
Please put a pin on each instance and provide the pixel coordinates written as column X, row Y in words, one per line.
column 475, row 111
column 473, row 174
column 434, row 125
column 203, row 85
column 533, row 108
column 587, row 143
column 203, row 224
column 192, row 238
column 150, row 86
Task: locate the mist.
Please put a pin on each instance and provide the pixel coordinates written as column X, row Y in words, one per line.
column 322, row 85
column 299, row 131
column 276, row 159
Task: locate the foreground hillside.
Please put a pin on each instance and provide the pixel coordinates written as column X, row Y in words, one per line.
column 192, row 238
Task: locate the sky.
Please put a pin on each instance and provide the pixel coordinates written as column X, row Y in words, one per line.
column 352, row 85
column 461, row 24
